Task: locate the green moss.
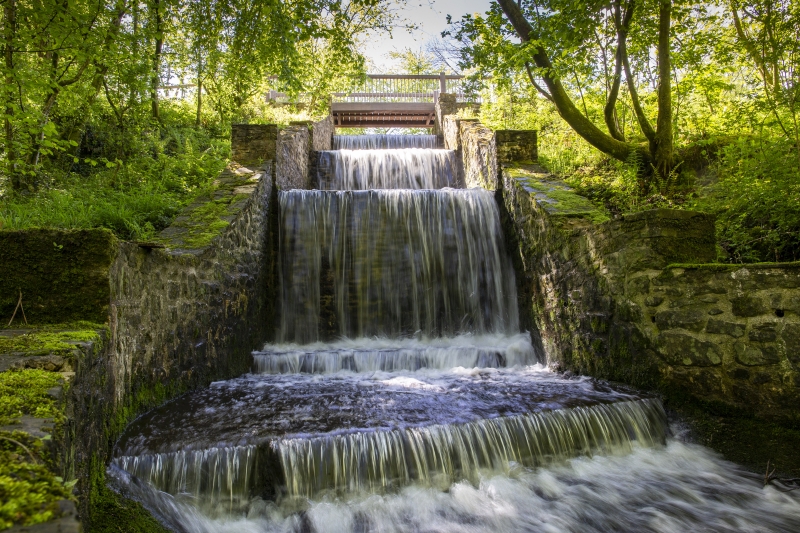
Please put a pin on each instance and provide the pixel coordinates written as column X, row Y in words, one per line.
column 29, row 491
column 46, row 341
column 556, row 197
column 110, row 510
column 61, row 274
column 204, row 221
column 25, row 392
column 729, row 267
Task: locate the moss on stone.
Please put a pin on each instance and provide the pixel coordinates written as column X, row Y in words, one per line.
column 46, row 341
column 26, row 392
column 211, row 212
column 109, row 510
column 29, row 491
column 62, row 274
column 730, row 267
column 556, row 197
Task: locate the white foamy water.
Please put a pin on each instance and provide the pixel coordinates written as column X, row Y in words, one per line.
column 675, row 488
column 378, row 142
column 382, row 354
column 410, row 168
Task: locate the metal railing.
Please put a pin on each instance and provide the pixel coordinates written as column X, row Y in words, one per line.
column 406, row 88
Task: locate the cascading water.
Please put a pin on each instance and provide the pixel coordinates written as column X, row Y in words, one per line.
column 378, row 142
column 411, row 168
column 394, row 262
column 400, row 395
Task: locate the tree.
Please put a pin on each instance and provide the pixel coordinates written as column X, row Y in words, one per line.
column 565, row 45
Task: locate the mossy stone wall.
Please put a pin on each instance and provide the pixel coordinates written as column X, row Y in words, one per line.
column 63, row 275
column 607, row 299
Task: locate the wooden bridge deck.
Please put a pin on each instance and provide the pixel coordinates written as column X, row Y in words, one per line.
column 383, row 114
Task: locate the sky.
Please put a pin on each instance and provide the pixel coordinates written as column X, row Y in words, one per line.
column 430, row 16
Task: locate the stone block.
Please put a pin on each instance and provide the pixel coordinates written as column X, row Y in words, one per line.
column 686, row 350
column 766, row 332
column 516, row 146
column 721, row 327
column 252, row 144
column 752, row 355
column 692, row 320
column 791, row 340
column 653, row 301
column 748, row 306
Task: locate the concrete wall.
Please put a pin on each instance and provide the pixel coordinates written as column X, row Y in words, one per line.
column 613, row 300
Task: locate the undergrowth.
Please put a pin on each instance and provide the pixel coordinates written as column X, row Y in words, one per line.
column 29, row 491
column 132, row 182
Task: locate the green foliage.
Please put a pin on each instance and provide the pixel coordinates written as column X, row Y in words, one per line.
column 756, row 199
column 29, row 491
column 131, row 184
column 25, row 392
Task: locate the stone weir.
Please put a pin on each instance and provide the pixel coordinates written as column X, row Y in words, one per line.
column 399, row 361
column 363, row 162
column 284, row 436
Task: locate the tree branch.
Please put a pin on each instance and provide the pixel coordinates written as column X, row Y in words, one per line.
column 560, row 98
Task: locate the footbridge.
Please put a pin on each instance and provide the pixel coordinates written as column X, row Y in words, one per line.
column 395, row 101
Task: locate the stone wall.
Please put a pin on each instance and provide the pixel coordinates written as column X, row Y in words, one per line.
column 606, row 299
column 480, row 151
column 62, row 275
column 293, row 157
column 516, row 146
column 253, row 144
column 298, row 147
column 322, row 134
column 181, row 315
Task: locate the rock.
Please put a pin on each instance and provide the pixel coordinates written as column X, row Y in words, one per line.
column 725, row 328
column 685, row 350
column 748, row 306
column 749, row 355
column 653, row 301
column 693, row 320
column 763, row 332
column 791, row 339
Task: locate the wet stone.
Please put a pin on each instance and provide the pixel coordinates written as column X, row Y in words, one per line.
column 747, row 306
column 725, row 328
column 653, row 301
column 750, row 355
column 685, row 350
column 763, row 332
column 692, row 320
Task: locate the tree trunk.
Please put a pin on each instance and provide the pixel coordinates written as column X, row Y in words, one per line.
column 564, row 104
column 9, row 32
column 199, row 100
column 156, row 62
column 662, row 148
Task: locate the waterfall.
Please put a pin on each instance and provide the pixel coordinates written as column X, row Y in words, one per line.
column 386, row 169
column 378, row 142
column 380, row 460
column 375, row 461
column 400, row 395
column 390, row 355
column 392, row 263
